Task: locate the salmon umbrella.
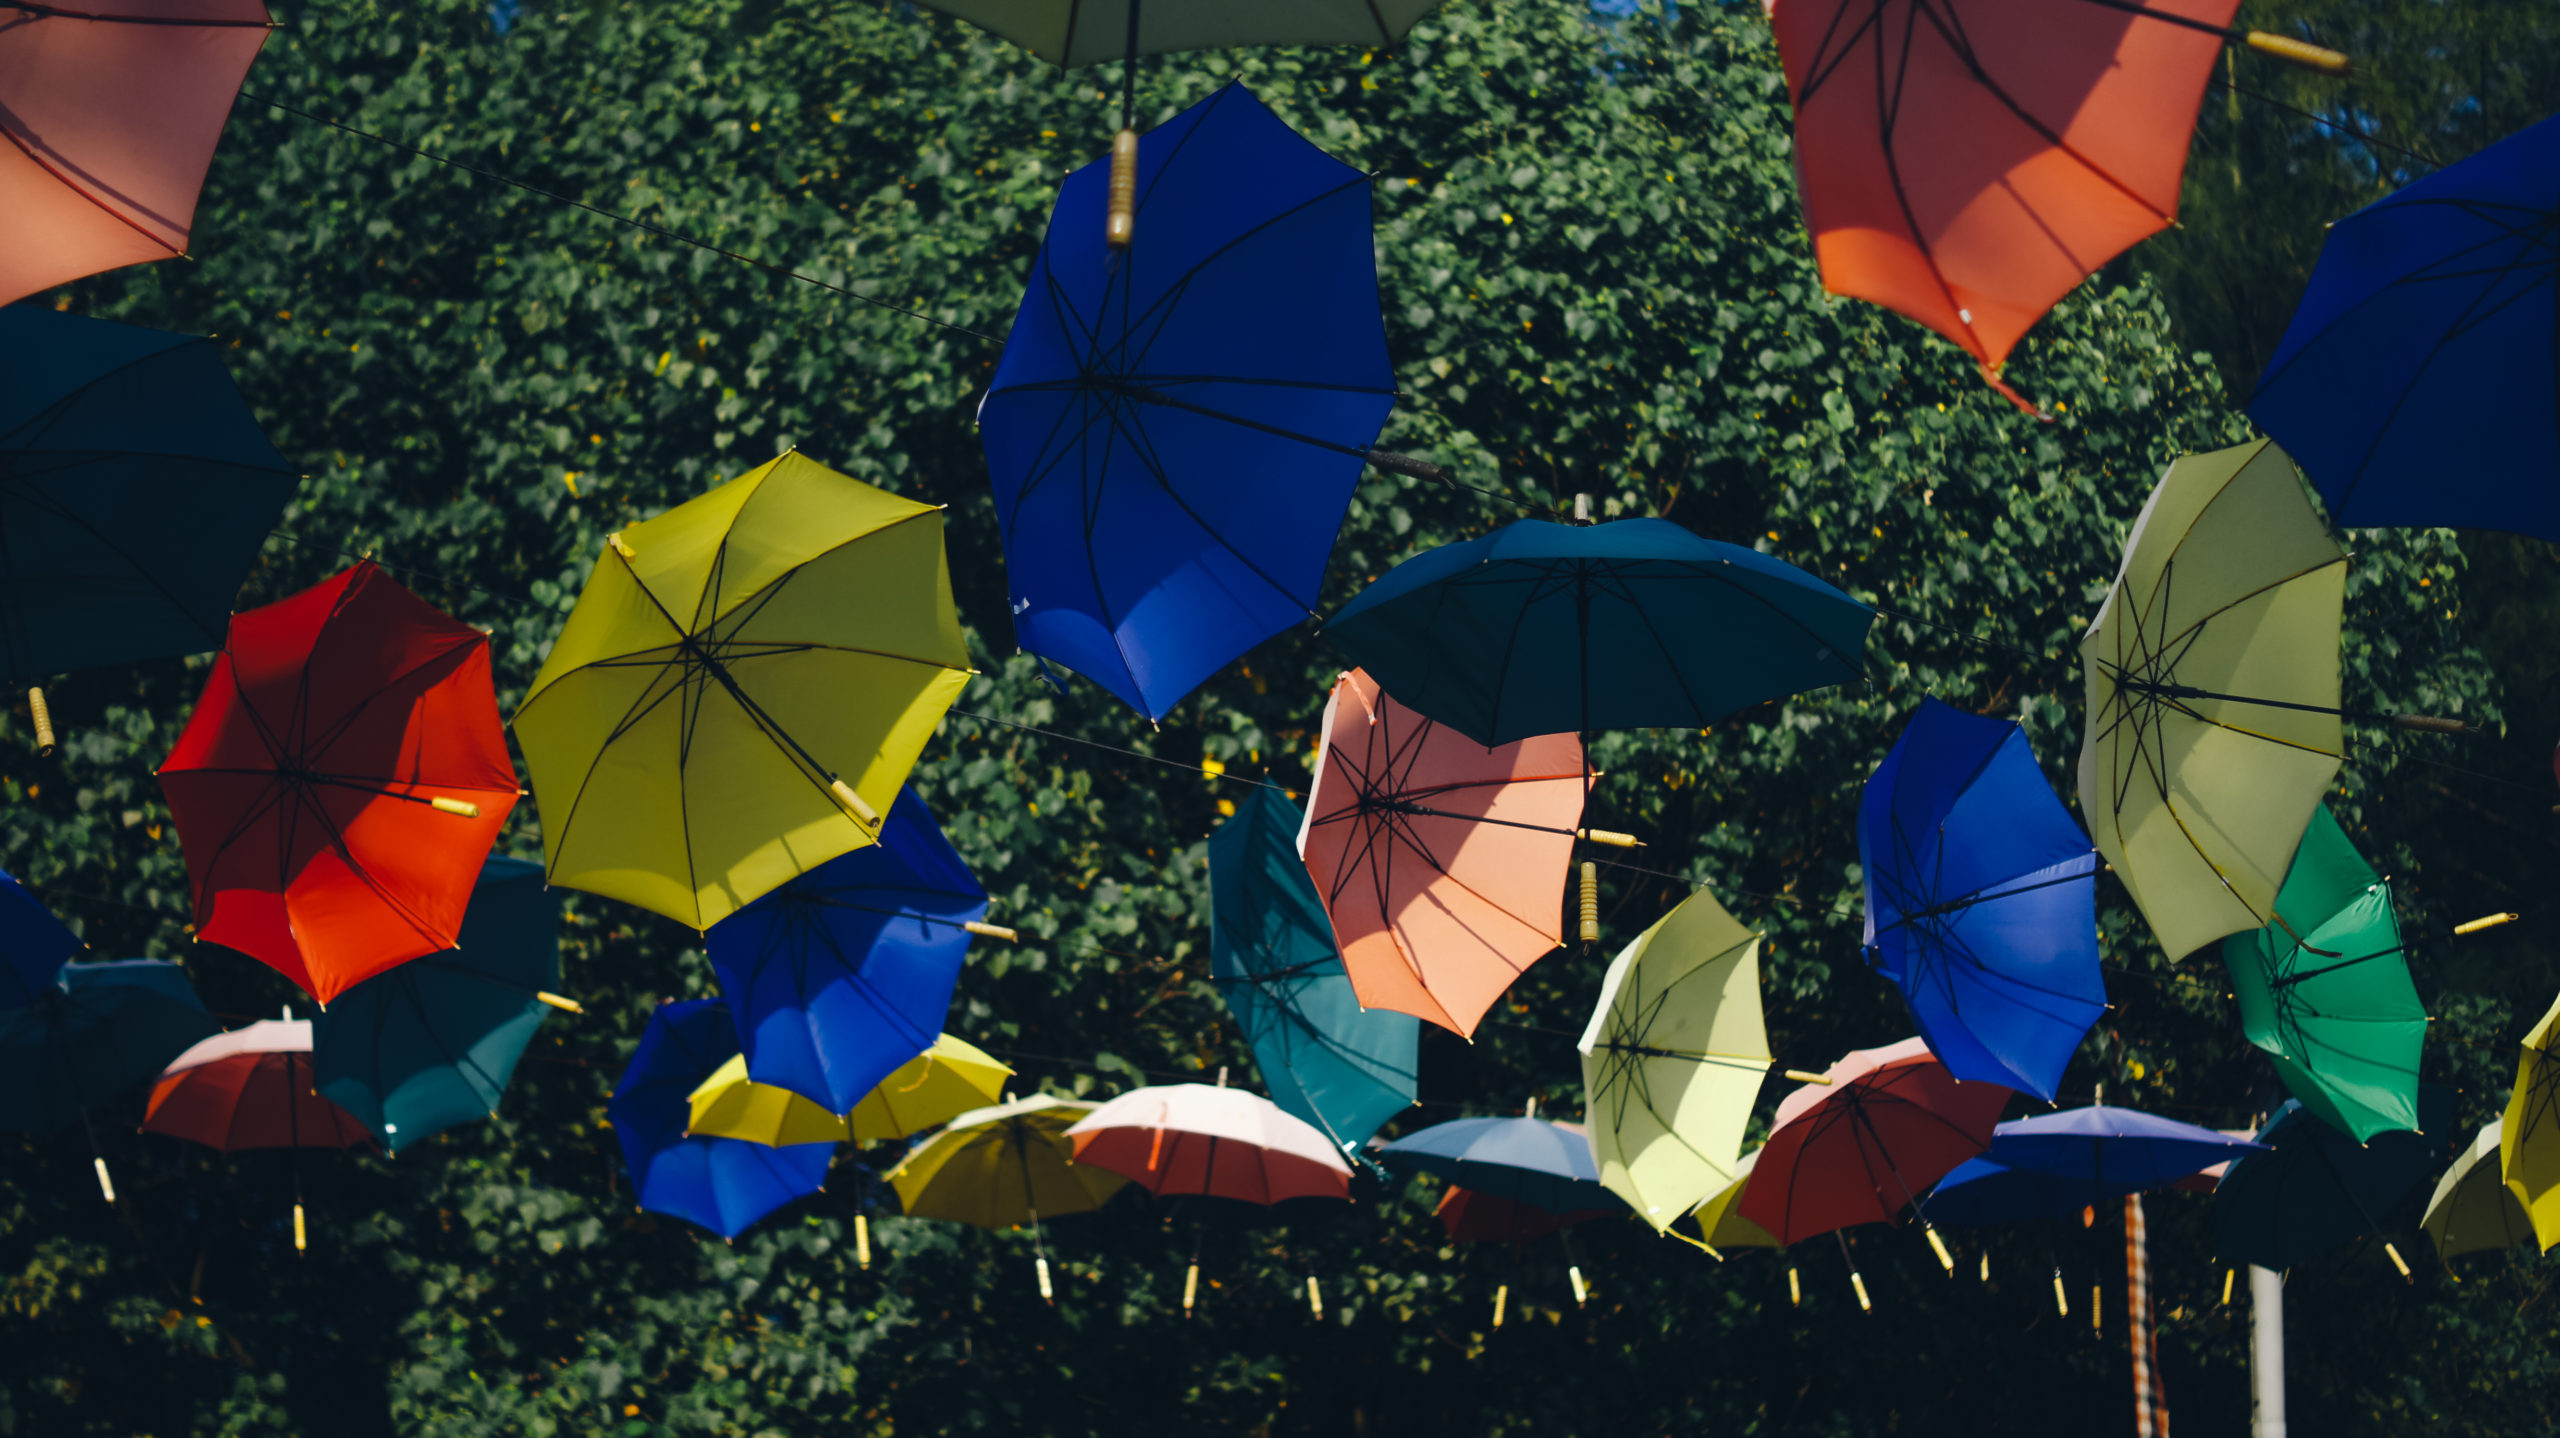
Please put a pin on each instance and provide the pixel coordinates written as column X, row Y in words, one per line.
column 1441, row 862
column 340, row 782
column 251, row 1088
column 111, row 110
column 1867, row 1142
column 1214, row 1141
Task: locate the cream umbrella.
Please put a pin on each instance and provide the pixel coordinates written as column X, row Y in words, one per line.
column 2472, row 1210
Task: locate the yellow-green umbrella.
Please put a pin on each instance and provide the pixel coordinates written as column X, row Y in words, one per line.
column 1004, row 1167
column 2529, row 1135
column 2472, row 1211
column 741, row 690
column 945, row 1081
column 1720, row 1218
column 2213, row 726
column 730, row 1105
column 1673, row 1059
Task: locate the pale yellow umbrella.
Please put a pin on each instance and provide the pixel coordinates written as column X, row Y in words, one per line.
column 728, row 1104
column 1005, row 1167
column 2529, row 1135
column 2471, row 1210
column 945, row 1081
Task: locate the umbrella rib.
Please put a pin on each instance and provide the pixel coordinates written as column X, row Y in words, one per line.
column 1141, row 447
column 1181, row 283
column 1964, row 50
column 76, row 187
column 650, row 697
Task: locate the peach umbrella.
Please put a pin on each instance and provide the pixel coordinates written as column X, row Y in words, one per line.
column 1442, row 863
column 1222, row 1142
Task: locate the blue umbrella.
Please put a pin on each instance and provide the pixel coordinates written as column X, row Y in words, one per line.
column 1174, row 431
column 100, row 1030
column 33, row 944
column 846, row 972
column 1526, row 1160
column 1271, row 950
column 2415, row 382
column 722, row 1184
column 1979, row 1192
column 1542, row 628
column 2055, row 1164
column 1981, row 900
column 2315, row 1188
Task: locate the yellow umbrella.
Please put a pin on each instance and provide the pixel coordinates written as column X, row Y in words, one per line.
column 730, row 1105
column 1720, row 1217
column 1004, row 1167
column 2529, row 1135
column 2472, row 1211
column 741, row 690
column 2212, row 723
column 946, row 1080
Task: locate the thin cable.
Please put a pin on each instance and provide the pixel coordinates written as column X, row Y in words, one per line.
column 2430, row 161
column 1116, row 749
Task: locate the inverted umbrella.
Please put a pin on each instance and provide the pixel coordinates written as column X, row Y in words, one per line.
column 250, row 1088
column 1981, row 900
column 1863, row 1147
column 728, row 1104
column 34, row 945
column 741, row 690
column 2325, row 989
column 1673, row 1058
column 946, row 1080
column 1530, row 1161
column 1344, row 1068
column 434, row 1042
column 110, row 112
column 839, row 975
column 2529, row 1132
column 2212, row 723
column 1004, row 1167
column 2316, row 1188
column 1215, row 1141
column 2472, row 1209
column 99, row 1030
column 723, row 1184
column 1174, row 431
column 1440, row 862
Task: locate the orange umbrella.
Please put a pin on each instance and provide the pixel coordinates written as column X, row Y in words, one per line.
column 1441, row 862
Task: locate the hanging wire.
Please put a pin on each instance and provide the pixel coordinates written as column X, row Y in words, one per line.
column 2361, row 136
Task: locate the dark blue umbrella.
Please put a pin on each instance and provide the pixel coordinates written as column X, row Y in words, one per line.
column 846, row 972
column 1526, row 1160
column 722, row 1184
column 1174, row 430
column 2315, row 1188
column 2055, row 1164
column 2415, row 383
column 1981, row 900
column 33, row 943
column 99, row 1031
column 1271, row 950
column 1542, row 628
column 1979, row 1192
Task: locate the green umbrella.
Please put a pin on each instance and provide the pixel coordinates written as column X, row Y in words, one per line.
column 2325, row 989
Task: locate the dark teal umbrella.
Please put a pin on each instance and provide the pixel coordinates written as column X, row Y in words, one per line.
column 415, row 1050
column 1271, row 951
column 99, row 1030
column 2315, row 1188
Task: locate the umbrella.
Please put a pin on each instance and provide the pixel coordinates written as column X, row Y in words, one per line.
column 340, row 781
column 2415, row 381
column 1220, row 1142
column 2472, row 1209
column 1532, row 1161
column 135, row 487
column 33, row 946
column 1441, row 863
column 99, row 1030
column 2325, row 989
column 1325, row 1058
column 250, row 1088
column 723, row 1184
column 730, row 1105
column 946, row 1080
column 111, row 111
column 2529, row 1132
column 432, row 1043
column 1981, row 900
column 1673, row 1058
column 1542, row 628
column 2317, row 1188
column 1003, row 1167
column 1720, row 1218
column 2212, row 723
column 1073, row 33
column 1469, row 1216
column 1866, row 1144
column 1982, row 1191
column 2054, row 1165
column 841, row 974
column 741, row 690
column 1174, row 431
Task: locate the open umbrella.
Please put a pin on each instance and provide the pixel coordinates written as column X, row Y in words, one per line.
column 1440, row 862
column 2053, row 1165
column 1326, row 1059
column 946, row 1080
column 2529, row 1132
column 741, row 690
column 1981, row 1191
column 1532, row 1161
column 2472, row 1209
column 2325, row 989
column 1216, row 1141
column 250, row 1088
column 2212, row 724
column 95, row 1032
column 1865, row 1145
column 1981, row 900
column 110, row 110
column 839, row 975
column 434, row 1042
column 1004, row 1167
column 1071, row 34
column 34, row 946
column 340, row 781
column 728, row 1104
column 2316, row 1188
column 1673, row 1058
column 1720, row 1220
column 1174, row 431
column 1470, row 1216
column 726, row 1185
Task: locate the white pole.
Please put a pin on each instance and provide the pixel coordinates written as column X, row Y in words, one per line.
column 2266, row 1351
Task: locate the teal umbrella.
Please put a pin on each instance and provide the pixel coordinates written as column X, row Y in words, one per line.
column 415, row 1050
column 2314, row 1188
column 1323, row 1057
column 98, row 1030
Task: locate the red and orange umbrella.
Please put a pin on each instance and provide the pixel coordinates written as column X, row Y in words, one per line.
column 1867, row 1141
column 250, row 1088
column 340, row 782
column 1441, row 862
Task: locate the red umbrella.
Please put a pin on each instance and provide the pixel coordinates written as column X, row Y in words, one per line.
column 1472, row 1217
column 250, row 1088
column 1221, row 1142
column 109, row 110
column 340, row 782
column 1863, row 1144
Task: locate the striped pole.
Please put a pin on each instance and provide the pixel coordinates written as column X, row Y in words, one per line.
column 2150, row 1405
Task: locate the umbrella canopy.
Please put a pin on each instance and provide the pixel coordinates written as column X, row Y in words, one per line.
column 100, row 1030
column 1468, row 1216
column 1003, row 1167
column 1219, row 1142
column 1979, row 1192
column 2529, row 1133
column 723, row 1184
column 1174, row 430
column 2102, row 1145
column 728, row 1104
column 2325, row 989
column 946, row 1080
column 34, row 946
column 250, row 1088
column 1441, row 863
column 2415, row 381
column 111, row 110
column 135, row 486
column 2472, row 1209
column 1969, row 162
column 841, row 974
column 741, row 690
column 1344, row 1068
column 1673, row 1058
column 1073, row 33
column 2196, row 777
column 1720, row 1218
column 1547, row 1166
column 1981, row 900
column 434, row 1042
column 2316, row 1188
column 1860, row 1149
column 340, row 781
column 1542, row 628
